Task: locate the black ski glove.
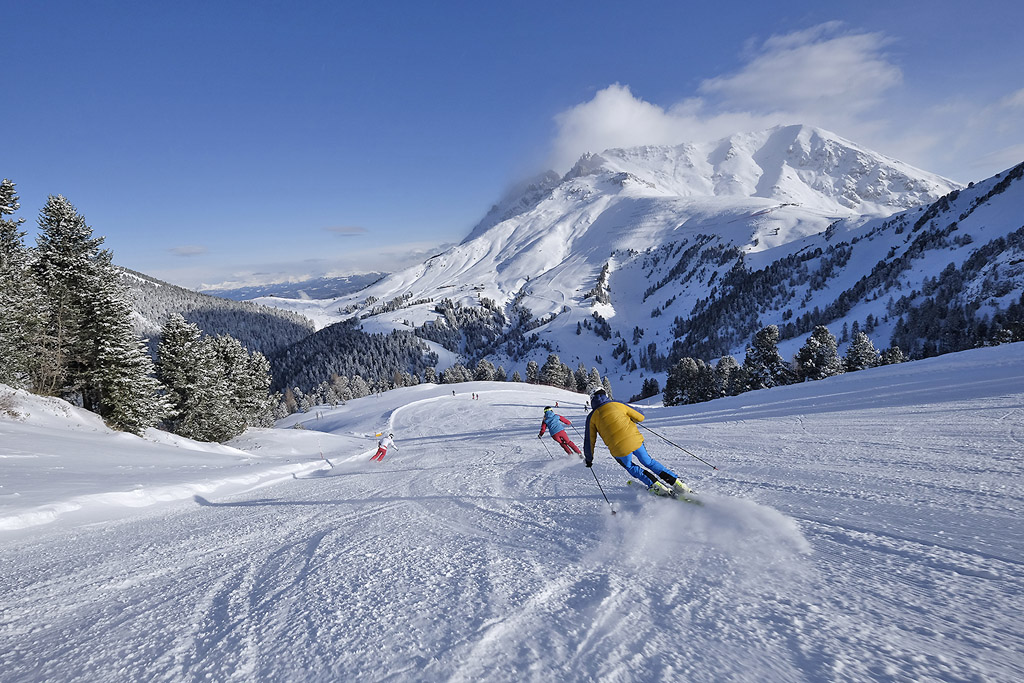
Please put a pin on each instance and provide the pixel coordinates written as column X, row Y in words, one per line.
column 589, row 463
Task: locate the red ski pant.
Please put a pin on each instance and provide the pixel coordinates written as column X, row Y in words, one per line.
column 563, row 441
column 379, row 455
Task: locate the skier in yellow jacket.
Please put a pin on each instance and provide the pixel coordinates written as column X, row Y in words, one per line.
column 616, row 423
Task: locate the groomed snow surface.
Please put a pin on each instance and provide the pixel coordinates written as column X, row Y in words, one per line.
column 867, row 527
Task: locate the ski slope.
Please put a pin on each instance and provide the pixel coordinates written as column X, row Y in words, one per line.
column 866, row 527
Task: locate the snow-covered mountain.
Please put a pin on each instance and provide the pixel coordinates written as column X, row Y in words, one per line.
column 314, row 288
column 260, row 328
column 670, row 245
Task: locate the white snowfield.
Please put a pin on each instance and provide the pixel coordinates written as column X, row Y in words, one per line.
column 866, row 527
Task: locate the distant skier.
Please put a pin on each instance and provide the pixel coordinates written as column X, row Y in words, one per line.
column 616, row 423
column 553, row 422
column 382, row 447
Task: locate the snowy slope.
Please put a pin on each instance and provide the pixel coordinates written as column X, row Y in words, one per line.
column 866, row 527
column 58, row 461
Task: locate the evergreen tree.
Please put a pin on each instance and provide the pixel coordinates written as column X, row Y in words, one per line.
column 359, row 387
column 551, row 373
column 342, row 387
column 430, row 375
column 532, row 372
column 607, row 386
column 650, row 388
column 582, row 380
column 731, row 380
column 196, row 390
column 65, row 269
column 88, row 344
column 120, row 382
column 679, row 377
column 21, row 306
column 568, row 379
column 861, row 354
column 216, row 387
column 484, row 371
column 247, row 380
column 819, row 357
column 593, row 381
column 500, row 375
column 516, row 377
column 892, row 355
column 764, row 365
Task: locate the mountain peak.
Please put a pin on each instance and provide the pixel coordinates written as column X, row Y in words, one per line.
column 793, row 163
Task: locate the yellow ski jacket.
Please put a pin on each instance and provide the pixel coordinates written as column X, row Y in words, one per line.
column 616, row 423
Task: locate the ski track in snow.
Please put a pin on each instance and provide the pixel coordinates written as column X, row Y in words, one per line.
column 834, row 544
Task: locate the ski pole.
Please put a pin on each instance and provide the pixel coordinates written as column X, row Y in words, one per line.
column 550, row 457
column 321, row 449
column 677, row 446
column 602, row 490
column 582, row 438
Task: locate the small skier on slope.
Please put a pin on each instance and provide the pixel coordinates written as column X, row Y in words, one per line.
column 553, row 422
column 616, row 423
column 382, row 447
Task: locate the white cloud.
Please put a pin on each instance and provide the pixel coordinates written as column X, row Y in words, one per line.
column 383, row 258
column 825, row 76
column 812, row 72
column 188, row 250
column 346, row 230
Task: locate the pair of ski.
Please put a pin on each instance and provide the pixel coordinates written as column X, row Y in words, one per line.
column 690, row 497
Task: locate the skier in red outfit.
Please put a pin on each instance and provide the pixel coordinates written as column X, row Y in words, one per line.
column 382, row 447
column 551, row 422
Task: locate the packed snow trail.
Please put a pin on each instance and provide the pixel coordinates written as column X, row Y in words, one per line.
column 878, row 542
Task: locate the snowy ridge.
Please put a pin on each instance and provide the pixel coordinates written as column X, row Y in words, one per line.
column 682, row 231
column 791, row 164
column 790, row 181
column 862, row 527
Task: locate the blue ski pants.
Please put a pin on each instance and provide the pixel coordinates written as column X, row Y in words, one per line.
column 647, row 461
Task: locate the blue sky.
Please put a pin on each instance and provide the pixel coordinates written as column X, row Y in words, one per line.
column 253, row 141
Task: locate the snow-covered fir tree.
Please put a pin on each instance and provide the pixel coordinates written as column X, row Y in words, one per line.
column 731, row 377
column 763, row 365
column 819, row 357
column 88, row 346
column 217, row 388
column 120, row 382
column 186, row 366
column 21, row 305
column 532, row 372
column 553, row 371
column 484, row 371
column 861, row 353
column 892, row 355
column 581, row 378
column 65, row 269
column 247, row 376
column 690, row 381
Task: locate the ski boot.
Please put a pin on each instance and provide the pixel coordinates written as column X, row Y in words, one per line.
column 679, row 488
column 659, row 489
